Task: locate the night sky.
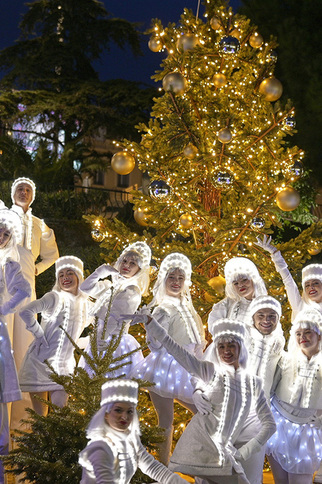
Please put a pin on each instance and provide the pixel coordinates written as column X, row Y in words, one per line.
column 116, row 63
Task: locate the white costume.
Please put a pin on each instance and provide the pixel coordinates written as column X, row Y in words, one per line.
column 297, row 404
column 120, row 296
column 58, row 308
column 207, row 446
column 113, row 456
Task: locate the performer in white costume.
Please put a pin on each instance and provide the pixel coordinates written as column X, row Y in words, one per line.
column 38, row 241
column 64, row 306
column 295, row 451
column 175, row 312
column 207, row 447
column 115, row 451
column 129, row 281
column 13, row 290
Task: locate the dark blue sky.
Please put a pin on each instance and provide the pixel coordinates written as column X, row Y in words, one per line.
column 116, row 63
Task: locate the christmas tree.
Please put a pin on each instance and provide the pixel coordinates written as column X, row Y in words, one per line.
column 218, row 152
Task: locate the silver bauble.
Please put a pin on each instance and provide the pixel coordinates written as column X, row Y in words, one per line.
column 174, row 82
column 224, row 135
column 187, row 42
column 159, row 190
column 258, row 223
column 229, row 45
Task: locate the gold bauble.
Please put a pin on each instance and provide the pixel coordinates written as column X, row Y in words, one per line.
column 123, row 162
column 141, row 216
column 215, row 23
column 217, row 283
column 175, row 82
column 219, row 79
column 186, row 221
column 155, row 44
column 288, row 199
column 190, row 151
column 256, row 40
column 271, row 88
column 236, row 33
column 315, row 250
column 187, row 42
column 225, row 135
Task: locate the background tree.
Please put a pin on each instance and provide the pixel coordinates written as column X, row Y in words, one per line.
column 297, row 27
column 49, row 83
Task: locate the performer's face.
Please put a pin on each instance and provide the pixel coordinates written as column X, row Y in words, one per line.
column 68, row 281
column 120, row 416
column 244, row 287
column 5, row 236
column 229, row 353
column 128, row 266
column 313, row 290
column 308, row 340
column 23, row 196
column 265, row 320
column 174, row 283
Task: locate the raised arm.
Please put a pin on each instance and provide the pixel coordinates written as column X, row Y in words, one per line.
column 17, row 287
column 154, row 469
column 29, row 313
column 93, row 284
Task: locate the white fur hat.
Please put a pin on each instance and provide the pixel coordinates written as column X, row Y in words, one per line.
column 175, row 261
column 17, row 182
column 142, row 249
column 241, row 266
column 312, row 271
column 120, row 390
column 226, row 327
column 264, row 302
column 12, row 222
column 72, row 262
column 308, row 318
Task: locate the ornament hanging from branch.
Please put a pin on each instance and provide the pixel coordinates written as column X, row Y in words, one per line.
column 219, row 80
column 186, row 221
column 190, row 151
column 141, row 216
column 258, row 223
column 187, row 42
column 155, row 44
column 159, row 190
column 224, row 135
column 229, row 45
column 288, row 199
column 123, row 162
column 255, row 40
column 271, row 88
column 174, row 82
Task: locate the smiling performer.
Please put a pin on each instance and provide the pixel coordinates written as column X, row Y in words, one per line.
column 115, row 451
column 243, row 284
column 122, row 295
column 64, row 306
column 175, row 312
column 295, row 451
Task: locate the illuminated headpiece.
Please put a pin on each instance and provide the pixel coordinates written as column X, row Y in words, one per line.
column 175, row 261
column 264, row 302
column 12, row 222
column 312, row 271
column 17, row 182
column 120, row 390
column 70, row 262
column 142, row 249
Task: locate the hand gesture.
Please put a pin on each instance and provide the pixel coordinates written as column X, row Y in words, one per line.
column 266, row 244
column 106, row 270
column 202, row 402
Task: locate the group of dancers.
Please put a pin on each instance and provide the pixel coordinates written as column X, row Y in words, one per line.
column 248, row 396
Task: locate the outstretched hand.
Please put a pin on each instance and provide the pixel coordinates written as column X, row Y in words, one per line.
column 266, row 244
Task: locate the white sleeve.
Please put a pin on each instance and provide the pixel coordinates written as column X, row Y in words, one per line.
column 292, row 290
column 48, row 249
column 102, row 461
column 92, row 284
column 28, row 313
column 163, row 318
column 219, row 310
column 154, row 469
column 17, row 286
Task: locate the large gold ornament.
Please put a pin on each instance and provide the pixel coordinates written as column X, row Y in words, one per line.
column 288, row 199
column 123, row 162
column 224, row 135
column 271, row 88
column 141, row 216
column 155, row 44
column 256, row 40
column 217, row 283
column 215, row 23
column 175, row 82
column 219, row 79
column 190, row 151
column 187, row 42
column 186, row 221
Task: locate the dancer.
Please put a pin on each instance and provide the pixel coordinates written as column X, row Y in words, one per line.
column 38, row 251
column 115, row 450
column 231, row 390
column 295, row 451
column 13, row 290
column 130, row 280
column 243, row 284
column 64, row 306
column 175, row 312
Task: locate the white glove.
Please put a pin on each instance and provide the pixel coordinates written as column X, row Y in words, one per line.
column 154, row 329
column 266, row 244
column 135, row 318
column 106, row 270
column 233, row 451
column 39, row 342
column 316, row 421
column 202, row 402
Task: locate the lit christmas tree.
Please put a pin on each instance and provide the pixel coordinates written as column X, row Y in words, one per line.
column 217, row 150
